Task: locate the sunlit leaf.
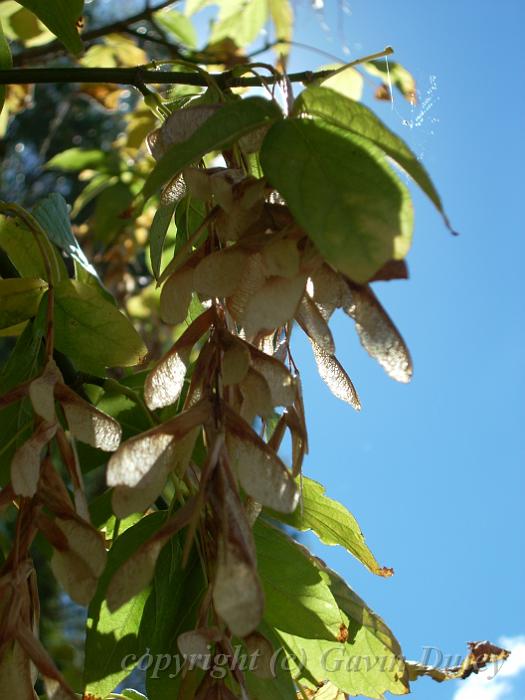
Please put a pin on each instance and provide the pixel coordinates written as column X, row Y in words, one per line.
column 342, row 192
column 6, row 62
column 396, row 74
column 111, row 636
column 360, row 120
column 61, row 17
column 81, row 316
column 286, row 566
column 179, row 26
column 221, row 129
column 367, row 660
column 332, row 523
column 19, row 299
column 240, row 21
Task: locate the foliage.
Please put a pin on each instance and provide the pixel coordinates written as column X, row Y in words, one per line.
column 151, row 384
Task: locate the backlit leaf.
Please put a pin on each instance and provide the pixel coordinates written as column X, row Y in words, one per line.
column 61, row 17
column 285, row 566
column 332, row 523
column 19, row 299
column 358, row 119
column 223, row 128
column 342, row 192
column 91, row 331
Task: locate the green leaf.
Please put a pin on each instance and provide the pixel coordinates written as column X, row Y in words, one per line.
column 279, row 687
column 6, row 62
column 240, row 20
column 23, row 251
column 91, row 331
column 75, row 159
column 369, row 663
column 111, row 211
column 112, row 636
column 133, row 694
column 171, row 609
column 341, row 191
column 53, row 215
column 179, row 26
column 331, row 522
column 353, row 116
column 221, row 130
column 60, row 17
column 285, row 567
column 157, row 235
column 281, row 12
column 19, row 299
column 16, row 420
column 400, row 78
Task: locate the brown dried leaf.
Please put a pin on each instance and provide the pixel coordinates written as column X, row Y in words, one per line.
column 257, row 398
column 195, row 645
column 327, row 289
column 281, row 258
column 134, row 575
column 273, row 305
column 314, row 325
column 87, row 423
column 74, row 575
column 44, row 663
column 85, row 541
column 237, row 593
column 220, row 274
column 175, row 296
column 480, row 654
column 260, row 648
column 25, row 466
column 16, row 676
column 260, row 471
column 42, row 391
column 335, row 377
column 282, row 385
column 166, row 379
column 377, row 332
column 140, row 467
column 235, row 362
column 179, row 127
column 252, row 280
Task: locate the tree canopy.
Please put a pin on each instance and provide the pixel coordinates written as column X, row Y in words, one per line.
column 187, row 206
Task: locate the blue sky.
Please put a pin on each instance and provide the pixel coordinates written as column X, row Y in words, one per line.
column 434, row 470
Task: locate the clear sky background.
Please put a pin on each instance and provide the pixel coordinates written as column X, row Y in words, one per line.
column 433, row 470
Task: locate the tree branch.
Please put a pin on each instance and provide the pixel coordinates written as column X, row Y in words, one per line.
column 142, row 75
column 55, row 47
